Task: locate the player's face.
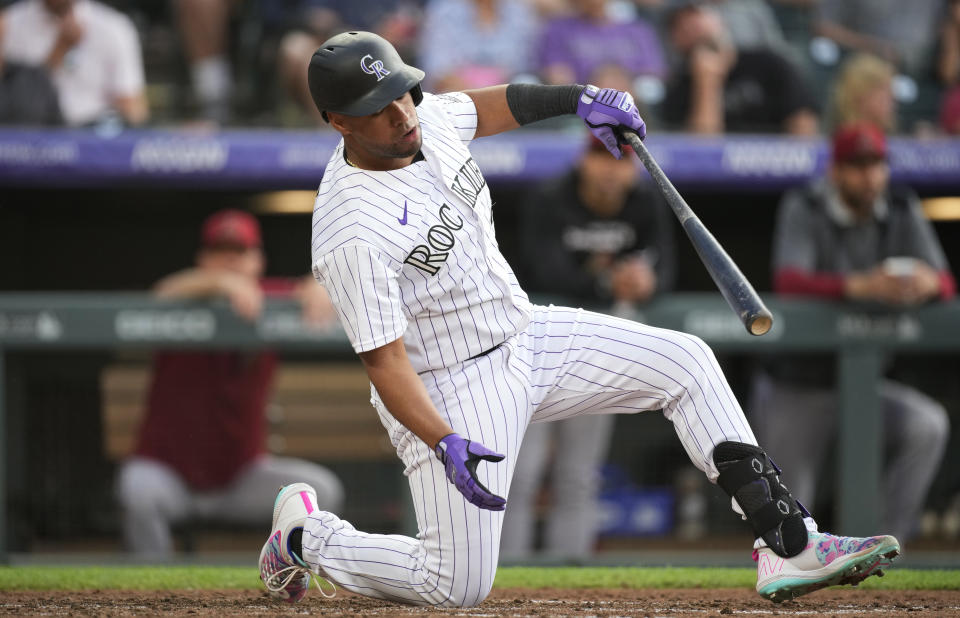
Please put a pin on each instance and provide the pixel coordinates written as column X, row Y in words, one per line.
column 860, row 183
column 245, row 261
column 384, row 140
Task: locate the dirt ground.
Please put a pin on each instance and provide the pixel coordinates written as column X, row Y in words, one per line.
column 502, row 603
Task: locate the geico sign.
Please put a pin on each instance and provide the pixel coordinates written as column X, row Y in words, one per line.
column 175, row 325
column 178, row 155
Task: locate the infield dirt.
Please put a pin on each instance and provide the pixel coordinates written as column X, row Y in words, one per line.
column 503, row 602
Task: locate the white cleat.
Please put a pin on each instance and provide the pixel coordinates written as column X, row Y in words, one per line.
column 828, row 560
column 282, row 571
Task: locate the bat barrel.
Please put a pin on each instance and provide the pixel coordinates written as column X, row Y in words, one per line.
column 734, row 287
column 760, row 324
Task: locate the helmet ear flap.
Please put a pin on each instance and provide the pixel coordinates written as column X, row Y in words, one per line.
column 417, row 93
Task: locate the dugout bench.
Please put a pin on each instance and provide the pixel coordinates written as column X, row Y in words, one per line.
column 860, row 336
column 315, row 409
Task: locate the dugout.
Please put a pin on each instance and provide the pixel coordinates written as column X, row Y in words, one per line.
column 84, row 213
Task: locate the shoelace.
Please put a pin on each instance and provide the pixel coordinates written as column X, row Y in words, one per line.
column 292, row 572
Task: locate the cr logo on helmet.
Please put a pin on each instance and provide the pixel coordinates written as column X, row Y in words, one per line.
column 373, row 68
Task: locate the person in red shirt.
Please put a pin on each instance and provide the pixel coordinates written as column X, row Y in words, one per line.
column 201, row 448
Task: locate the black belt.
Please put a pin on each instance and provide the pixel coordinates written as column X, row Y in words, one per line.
column 474, row 357
column 485, row 352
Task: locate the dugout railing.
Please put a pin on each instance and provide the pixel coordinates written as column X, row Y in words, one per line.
column 860, row 336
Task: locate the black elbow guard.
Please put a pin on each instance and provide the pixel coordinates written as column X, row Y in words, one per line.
column 748, row 475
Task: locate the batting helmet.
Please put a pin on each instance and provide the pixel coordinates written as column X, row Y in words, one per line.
column 360, row 73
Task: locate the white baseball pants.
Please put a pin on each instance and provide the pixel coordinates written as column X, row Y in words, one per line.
column 566, row 363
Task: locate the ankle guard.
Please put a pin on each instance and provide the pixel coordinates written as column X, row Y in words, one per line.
column 750, row 477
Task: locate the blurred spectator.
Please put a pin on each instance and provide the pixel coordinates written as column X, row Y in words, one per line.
column 27, row 96
column 851, row 236
column 948, row 62
column 863, row 93
column 796, row 18
column 203, row 26
column 950, row 112
column 476, row 43
column 650, row 6
column 91, row 51
column 751, row 24
column 948, row 68
column 395, row 20
column 573, row 47
column 899, row 32
column 201, row 449
column 551, row 8
column 595, row 236
column 317, row 20
column 719, row 89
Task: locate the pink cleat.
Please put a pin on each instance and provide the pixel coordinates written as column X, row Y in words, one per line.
column 828, row 560
column 282, row 570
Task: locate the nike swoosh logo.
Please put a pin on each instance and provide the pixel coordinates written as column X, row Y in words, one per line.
column 403, row 221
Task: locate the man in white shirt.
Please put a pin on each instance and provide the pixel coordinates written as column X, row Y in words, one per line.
column 91, row 51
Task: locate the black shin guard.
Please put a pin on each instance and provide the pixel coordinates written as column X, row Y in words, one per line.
column 749, row 476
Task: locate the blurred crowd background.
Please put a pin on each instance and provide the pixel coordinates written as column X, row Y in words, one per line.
column 705, row 66
column 115, row 449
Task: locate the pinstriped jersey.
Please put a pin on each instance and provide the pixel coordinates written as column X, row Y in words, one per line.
column 411, row 252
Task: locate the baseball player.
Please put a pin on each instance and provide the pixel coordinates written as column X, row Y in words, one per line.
column 461, row 362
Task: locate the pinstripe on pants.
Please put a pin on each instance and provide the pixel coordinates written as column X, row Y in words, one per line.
column 565, row 363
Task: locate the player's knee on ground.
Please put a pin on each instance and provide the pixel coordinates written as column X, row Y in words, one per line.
column 748, row 476
column 459, row 595
column 468, row 581
column 462, row 589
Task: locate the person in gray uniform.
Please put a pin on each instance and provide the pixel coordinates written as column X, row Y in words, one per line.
column 851, row 236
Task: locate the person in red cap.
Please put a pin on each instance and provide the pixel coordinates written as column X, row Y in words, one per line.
column 201, row 447
column 851, row 236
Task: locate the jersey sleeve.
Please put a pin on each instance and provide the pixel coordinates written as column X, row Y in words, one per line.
column 365, row 293
column 462, row 113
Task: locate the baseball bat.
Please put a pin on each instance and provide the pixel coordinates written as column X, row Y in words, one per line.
column 737, row 291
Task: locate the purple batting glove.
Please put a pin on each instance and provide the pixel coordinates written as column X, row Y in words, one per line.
column 460, row 457
column 605, row 111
